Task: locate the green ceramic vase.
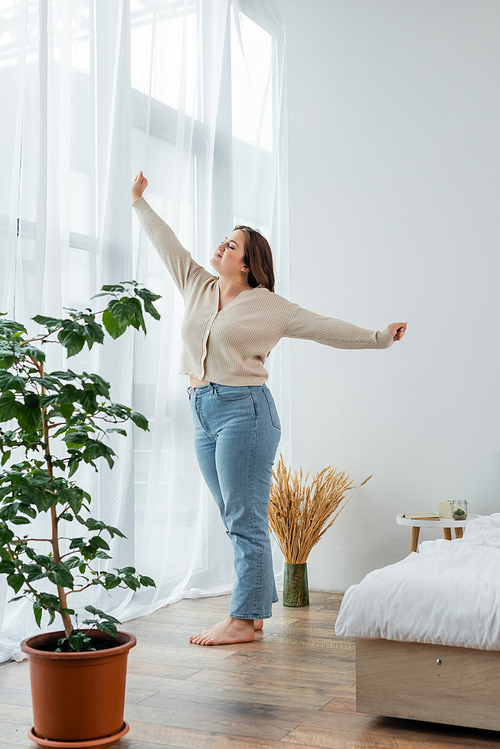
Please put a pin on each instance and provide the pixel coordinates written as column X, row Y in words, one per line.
column 295, row 585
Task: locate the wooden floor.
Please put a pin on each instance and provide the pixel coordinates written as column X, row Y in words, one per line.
column 294, row 686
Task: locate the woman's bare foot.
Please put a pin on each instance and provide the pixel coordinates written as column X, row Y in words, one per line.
column 258, row 624
column 226, row 633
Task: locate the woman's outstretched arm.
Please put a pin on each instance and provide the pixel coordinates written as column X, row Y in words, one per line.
column 177, row 259
column 340, row 334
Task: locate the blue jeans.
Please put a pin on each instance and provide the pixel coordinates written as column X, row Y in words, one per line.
column 237, row 431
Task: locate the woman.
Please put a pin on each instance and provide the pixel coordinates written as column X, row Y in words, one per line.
column 230, row 326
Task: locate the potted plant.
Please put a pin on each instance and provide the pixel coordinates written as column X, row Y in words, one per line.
column 299, row 515
column 59, row 421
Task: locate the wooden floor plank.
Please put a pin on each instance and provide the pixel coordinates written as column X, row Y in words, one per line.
column 15, row 736
column 337, row 643
column 381, row 739
column 186, row 738
column 235, row 718
column 341, row 705
column 261, row 680
column 298, row 698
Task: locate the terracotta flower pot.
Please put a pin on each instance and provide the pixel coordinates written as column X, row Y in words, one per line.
column 78, row 698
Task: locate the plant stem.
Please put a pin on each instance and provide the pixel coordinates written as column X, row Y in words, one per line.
column 68, row 627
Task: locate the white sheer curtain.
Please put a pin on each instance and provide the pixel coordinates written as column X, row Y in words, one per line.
column 192, row 93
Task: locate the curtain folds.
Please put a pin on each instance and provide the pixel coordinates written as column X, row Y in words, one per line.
column 193, row 93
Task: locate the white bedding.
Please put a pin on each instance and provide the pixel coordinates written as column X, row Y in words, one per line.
column 447, row 594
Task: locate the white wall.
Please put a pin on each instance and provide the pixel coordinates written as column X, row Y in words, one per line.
column 394, row 197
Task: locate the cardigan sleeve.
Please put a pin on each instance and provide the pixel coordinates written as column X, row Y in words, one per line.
column 178, row 260
column 333, row 332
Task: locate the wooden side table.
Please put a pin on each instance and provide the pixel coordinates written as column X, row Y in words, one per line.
column 445, row 523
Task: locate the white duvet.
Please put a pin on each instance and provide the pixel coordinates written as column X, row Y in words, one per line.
column 447, row 594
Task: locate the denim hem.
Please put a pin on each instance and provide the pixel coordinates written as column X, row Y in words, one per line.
column 257, row 616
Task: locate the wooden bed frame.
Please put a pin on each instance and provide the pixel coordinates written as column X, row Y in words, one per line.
column 458, row 686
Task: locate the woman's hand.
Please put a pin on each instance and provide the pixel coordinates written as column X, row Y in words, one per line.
column 398, row 329
column 138, row 186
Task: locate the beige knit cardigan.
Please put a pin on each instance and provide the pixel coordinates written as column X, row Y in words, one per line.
column 230, row 346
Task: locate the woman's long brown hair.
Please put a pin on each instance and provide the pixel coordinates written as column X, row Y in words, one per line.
column 258, row 257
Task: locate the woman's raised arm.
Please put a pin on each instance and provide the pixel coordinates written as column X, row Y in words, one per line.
column 177, row 259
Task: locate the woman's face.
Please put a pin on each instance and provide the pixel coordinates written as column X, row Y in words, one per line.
column 228, row 257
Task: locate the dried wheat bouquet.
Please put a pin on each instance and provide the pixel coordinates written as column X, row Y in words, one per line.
column 299, row 514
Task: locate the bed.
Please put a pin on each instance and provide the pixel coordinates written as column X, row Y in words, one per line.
column 427, row 632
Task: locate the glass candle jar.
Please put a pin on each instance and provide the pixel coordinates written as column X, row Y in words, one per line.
column 459, row 509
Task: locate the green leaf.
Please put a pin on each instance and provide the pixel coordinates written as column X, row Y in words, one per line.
column 37, row 611
column 7, row 406
column 111, row 581
column 16, row 582
column 48, row 382
column 6, row 456
column 42, row 559
column 112, row 325
column 93, row 332
column 6, row 534
column 34, row 352
column 95, row 525
column 6, row 359
column 66, row 410
column 147, row 581
column 68, row 375
column 88, row 399
column 101, row 386
column 29, row 414
column 113, row 288
column 148, row 297
column 9, row 381
column 76, row 437
column 102, row 555
column 108, row 628
column 127, row 311
column 7, row 568
column 95, row 449
column 140, row 421
column 60, row 575
column 78, row 641
column 51, row 323
column 72, row 562
column 131, row 582
column 93, row 610
column 115, row 532
column 73, row 464
column 72, row 340
column 11, row 326
column 35, row 572
column 119, row 431
column 9, row 511
column 96, row 542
